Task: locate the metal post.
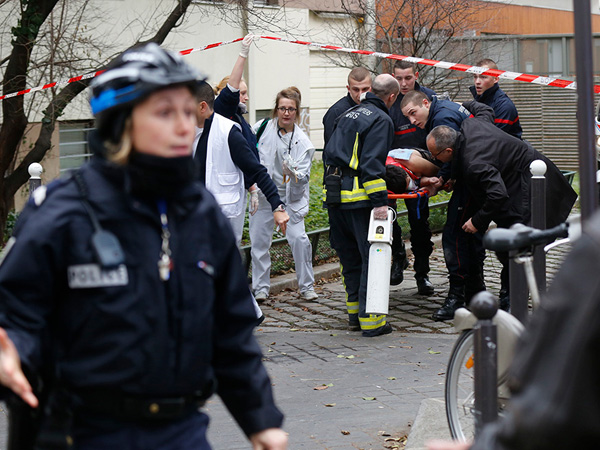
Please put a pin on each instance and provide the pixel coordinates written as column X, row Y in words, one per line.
column 35, row 181
column 538, row 218
column 585, row 109
column 484, row 305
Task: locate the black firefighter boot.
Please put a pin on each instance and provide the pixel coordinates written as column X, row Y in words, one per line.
column 400, row 262
column 455, row 300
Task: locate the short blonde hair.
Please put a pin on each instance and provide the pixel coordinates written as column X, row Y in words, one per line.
column 119, row 153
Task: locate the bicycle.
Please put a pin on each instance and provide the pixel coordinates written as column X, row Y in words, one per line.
column 459, row 388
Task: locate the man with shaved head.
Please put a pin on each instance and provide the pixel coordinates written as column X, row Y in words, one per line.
column 354, row 159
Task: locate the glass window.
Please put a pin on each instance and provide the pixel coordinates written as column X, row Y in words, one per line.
column 73, row 144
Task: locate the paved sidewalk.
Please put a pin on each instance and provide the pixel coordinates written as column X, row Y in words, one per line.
column 339, row 390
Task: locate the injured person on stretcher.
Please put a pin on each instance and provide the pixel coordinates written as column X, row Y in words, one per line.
column 409, row 169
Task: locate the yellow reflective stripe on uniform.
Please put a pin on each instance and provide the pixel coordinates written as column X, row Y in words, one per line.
column 375, row 186
column 371, row 322
column 354, row 160
column 356, row 194
column 352, row 307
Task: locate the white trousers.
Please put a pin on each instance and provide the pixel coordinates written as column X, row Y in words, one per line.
column 261, row 235
column 237, row 223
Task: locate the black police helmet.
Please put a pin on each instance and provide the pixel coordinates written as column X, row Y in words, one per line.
column 130, row 78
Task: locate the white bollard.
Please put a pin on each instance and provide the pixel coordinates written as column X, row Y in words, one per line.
column 380, row 264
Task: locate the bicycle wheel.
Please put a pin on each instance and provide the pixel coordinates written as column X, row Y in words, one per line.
column 459, row 393
column 460, row 383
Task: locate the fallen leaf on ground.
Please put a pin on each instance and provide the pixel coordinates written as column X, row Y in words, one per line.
column 345, row 432
column 391, row 378
column 320, row 388
column 330, row 405
column 369, row 398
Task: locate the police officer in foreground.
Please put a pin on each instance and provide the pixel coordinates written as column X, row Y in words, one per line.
column 354, row 161
column 123, row 286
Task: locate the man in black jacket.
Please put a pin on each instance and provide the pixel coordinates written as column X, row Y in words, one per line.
column 354, row 161
column 407, row 135
column 495, row 169
column 486, row 90
column 359, row 82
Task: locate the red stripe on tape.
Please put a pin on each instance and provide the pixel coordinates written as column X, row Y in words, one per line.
column 186, row 52
column 527, row 77
column 461, row 67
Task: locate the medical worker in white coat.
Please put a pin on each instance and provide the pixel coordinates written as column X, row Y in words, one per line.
column 287, row 153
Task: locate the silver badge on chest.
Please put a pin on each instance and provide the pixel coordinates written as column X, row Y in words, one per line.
column 86, row 276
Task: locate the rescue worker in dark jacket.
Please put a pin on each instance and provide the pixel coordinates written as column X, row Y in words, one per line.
column 359, row 82
column 464, row 274
column 407, row 135
column 486, row 90
column 495, row 168
column 354, row 161
column 125, row 284
column 555, row 400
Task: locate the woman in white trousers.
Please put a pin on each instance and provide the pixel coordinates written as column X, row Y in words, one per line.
column 287, row 153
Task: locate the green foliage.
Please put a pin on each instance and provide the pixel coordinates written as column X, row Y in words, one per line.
column 11, row 220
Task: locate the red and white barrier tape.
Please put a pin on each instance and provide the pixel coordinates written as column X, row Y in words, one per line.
column 525, row 77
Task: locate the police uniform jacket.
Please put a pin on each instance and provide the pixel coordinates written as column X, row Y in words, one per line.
column 495, row 167
column 359, row 148
column 506, row 116
column 407, row 135
column 126, row 330
column 336, row 110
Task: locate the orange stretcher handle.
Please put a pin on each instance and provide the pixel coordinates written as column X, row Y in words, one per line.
column 413, row 194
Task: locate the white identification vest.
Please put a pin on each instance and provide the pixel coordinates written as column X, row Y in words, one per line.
column 224, row 179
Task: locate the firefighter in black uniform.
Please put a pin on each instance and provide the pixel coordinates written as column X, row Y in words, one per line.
column 123, row 284
column 486, row 90
column 354, row 161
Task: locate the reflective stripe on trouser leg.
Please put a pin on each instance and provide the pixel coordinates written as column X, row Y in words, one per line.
column 301, row 251
column 371, row 322
column 261, row 235
column 351, row 305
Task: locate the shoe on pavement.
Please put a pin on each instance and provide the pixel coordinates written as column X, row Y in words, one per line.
column 353, row 323
column 309, row 294
column 424, row 286
column 446, row 312
column 261, row 296
column 386, row 329
column 397, row 272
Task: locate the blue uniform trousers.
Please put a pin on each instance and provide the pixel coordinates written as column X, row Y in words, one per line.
column 185, row 434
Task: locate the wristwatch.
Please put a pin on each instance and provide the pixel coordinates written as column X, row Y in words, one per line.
column 280, row 208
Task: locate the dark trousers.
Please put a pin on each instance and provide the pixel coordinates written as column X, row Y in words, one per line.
column 186, row 434
column 463, row 252
column 348, row 230
column 420, row 234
